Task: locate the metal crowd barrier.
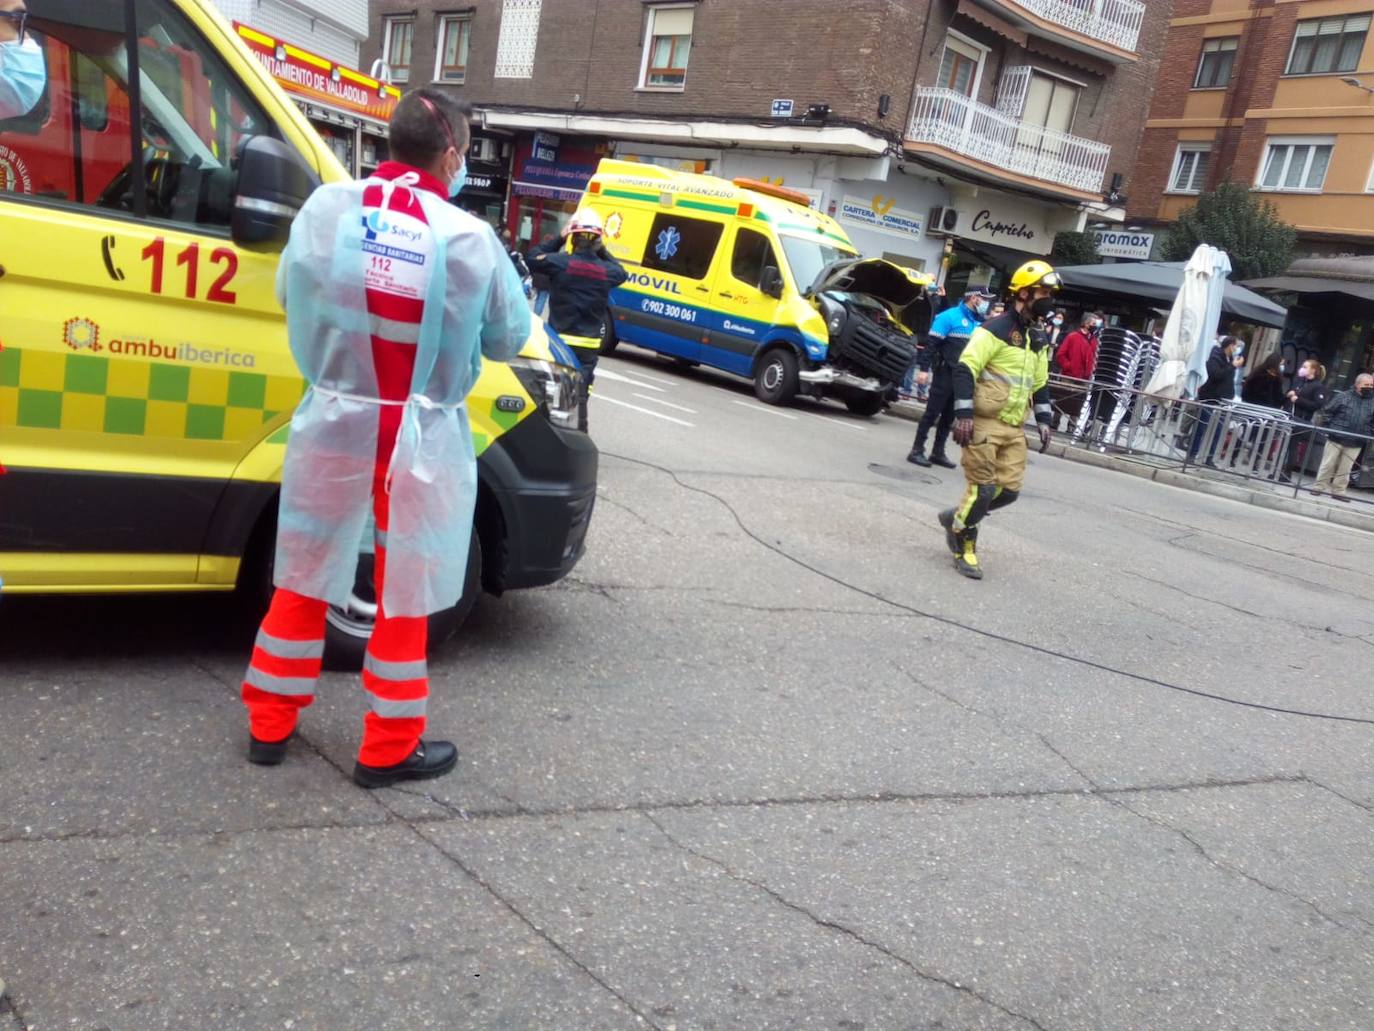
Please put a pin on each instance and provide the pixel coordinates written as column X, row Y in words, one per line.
column 1232, row 438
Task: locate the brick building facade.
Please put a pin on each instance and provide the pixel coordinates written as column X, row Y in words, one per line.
column 1012, row 118
column 1278, row 94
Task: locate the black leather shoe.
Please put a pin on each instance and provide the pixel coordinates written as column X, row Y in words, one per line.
column 268, row 753
column 430, row 759
column 918, row 458
column 942, row 460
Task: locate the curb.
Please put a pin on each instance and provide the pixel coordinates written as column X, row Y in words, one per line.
column 1318, row 510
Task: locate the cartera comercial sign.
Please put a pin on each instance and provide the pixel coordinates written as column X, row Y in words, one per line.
column 882, row 214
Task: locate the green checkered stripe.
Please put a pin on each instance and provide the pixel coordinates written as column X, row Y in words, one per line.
column 70, row 390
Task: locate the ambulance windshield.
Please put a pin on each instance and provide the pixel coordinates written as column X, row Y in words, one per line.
column 806, row 256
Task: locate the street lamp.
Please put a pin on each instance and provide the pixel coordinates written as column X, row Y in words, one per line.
column 1350, row 80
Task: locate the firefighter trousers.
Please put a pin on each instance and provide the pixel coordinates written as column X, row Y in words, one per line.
column 994, row 462
column 285, row 666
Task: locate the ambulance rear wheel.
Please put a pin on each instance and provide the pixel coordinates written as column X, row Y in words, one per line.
column 348, row 628
column 775, row 379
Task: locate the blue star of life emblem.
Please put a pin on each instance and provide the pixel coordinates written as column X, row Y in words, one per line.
column 668, row 241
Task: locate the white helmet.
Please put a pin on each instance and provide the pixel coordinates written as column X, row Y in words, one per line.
column 586, row 221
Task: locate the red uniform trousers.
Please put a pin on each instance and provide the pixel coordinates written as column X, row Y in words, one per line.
column 281, row 676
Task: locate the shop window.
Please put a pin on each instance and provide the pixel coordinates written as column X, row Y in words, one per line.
column 960, row 66
column 1326, row 45
column 1214, row 66
column 1190, row 168
column 682, row 246
column 398, row 35
column 516, row 44
column 77, row 146
column 1295, row 164
column 668, row 44
column 455, row 33
column 752, row 254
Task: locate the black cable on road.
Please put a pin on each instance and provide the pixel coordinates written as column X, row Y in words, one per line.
column 1038, row 649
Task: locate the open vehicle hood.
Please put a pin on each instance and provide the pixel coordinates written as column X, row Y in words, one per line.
column 889, row 283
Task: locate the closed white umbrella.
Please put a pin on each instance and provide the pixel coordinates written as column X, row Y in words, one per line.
column 1192, row 325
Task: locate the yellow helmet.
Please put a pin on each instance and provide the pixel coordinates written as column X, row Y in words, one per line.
column 1033, row 274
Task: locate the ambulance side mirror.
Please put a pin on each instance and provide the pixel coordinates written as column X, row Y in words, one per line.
column 770, row 282
column 272, row 185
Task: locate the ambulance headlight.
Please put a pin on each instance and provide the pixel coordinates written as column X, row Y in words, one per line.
column 834, row 314
column 555, row 388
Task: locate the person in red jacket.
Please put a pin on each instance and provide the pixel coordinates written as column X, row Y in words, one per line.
column 1076, row 358
column 1077, row 355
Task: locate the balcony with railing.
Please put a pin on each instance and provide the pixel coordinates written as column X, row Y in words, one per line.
column 957, row 126
column 1107, row 28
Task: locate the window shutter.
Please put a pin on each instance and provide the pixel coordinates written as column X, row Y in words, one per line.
column 675, row 21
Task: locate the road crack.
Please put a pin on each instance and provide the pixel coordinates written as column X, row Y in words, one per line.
column 541, row 933
column 1339, row 794
column 991, row 635
column 1249, row 612
column 637, row 516
column 842, row 929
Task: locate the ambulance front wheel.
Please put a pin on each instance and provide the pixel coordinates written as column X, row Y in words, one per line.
column 866, row 403
column 349, row 627
column 609, row 341
column 775, row 379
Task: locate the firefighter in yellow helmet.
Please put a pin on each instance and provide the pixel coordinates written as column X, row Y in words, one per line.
column 1004, row 368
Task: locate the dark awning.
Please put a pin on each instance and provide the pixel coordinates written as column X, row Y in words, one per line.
column 1352, row 276
column 1155, row 284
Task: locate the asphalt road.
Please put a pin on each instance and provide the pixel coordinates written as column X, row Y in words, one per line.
column 764, row 761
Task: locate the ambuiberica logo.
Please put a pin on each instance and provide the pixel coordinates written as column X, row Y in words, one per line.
column 82, row 334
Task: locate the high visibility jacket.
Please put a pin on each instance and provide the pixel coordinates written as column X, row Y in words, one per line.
column 948, row 335
column 1003, row 367
column 473, row 306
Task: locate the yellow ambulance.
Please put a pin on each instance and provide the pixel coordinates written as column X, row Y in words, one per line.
column 146, row 387
column 745, row 277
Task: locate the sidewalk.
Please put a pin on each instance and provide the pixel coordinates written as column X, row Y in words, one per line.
column 1201, row 480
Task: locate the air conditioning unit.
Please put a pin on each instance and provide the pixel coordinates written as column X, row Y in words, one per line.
column 483, row 149
column 942, row 222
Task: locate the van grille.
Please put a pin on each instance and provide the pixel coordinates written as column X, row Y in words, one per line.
column 867, row 347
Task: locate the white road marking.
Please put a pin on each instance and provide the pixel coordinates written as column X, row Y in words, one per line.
column 667, row 404
column 618, row 378
column 654, row 379
column 760, row 408
column 646, row 411
column 840, row 423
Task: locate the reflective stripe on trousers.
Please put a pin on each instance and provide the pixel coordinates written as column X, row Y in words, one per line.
column 285, row 666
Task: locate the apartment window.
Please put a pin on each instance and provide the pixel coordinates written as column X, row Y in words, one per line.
column 515, row 45
column 1214, row 67
column 397, row 35
column 451, row 62
column 960, row 65
column 1190, row 168
column 1328, row 45
column 1050, row 102
column 667, row 45
column 1295, row 164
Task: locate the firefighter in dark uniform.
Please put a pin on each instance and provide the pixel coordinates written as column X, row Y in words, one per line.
column 580, row 285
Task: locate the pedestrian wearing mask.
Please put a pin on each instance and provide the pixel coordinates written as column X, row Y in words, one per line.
column 393, row 297
column 944, row 344
column 1306, row 399
column 1223, row 365
column 1003, row 371
column 1348, row 412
